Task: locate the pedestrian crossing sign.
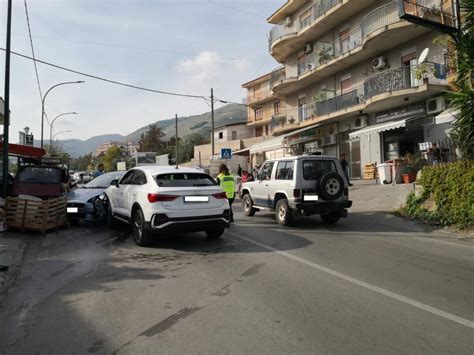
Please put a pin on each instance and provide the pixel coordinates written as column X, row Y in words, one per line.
column 226, row 153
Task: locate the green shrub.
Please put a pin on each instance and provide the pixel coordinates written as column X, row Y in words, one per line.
column 452, row 188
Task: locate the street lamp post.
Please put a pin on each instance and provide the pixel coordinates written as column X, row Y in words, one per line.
column 44, row 98
column 51, row 129
column 61, row 132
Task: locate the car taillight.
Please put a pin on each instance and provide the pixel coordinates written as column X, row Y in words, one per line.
column 152, row 198
column 296, row 193
column 220, row 195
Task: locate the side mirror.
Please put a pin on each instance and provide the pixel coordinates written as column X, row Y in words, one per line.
column 114, row 182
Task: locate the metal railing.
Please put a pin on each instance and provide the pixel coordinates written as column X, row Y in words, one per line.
column 318, row 10
column 404, row 78
column 260, row 95
column 339, row 102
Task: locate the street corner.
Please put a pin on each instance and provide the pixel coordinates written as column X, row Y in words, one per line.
column 12, row 249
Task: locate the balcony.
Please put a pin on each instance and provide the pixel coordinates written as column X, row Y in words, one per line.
column 260, row 96
column 338, row 103
column 284, row 38
column 380, row 30
column 434, row 13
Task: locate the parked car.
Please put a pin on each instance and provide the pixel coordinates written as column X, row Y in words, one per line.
column 88, row 202
column 168, row 199
column 300, row 185
column 44, row 178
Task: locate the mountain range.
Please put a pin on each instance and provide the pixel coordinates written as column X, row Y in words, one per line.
column 186, row 125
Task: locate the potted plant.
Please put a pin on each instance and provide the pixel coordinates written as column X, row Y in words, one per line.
column 324, row 55
column 424, row 70
column 291, row 120
column 409, row 174
column 281, row 120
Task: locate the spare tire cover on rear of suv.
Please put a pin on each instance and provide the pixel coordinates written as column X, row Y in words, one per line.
column 331, row 186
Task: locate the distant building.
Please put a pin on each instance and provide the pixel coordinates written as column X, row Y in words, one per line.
column 129, row 148
column 233, row 131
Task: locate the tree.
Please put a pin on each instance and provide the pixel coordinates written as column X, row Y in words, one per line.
column 81, row 163
column 113, row 155
column 151, row 140
column 463, row 100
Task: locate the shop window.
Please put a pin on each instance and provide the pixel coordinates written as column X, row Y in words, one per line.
column 284, row 171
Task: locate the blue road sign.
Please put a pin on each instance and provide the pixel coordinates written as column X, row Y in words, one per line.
column 226, row 153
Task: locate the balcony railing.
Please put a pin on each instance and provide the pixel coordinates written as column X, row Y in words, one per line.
column 385, row 82
column 326, row 51
column 338, row 103
column 404, row 78
column 260, row 95
column 319, row 9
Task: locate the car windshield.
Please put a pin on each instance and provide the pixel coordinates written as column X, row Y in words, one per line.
column 39, row 175
column 184, row 180
column 103, row 181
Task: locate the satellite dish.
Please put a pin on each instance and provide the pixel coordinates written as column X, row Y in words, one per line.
column 424, row 55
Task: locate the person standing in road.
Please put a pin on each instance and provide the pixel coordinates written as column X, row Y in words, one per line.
column 227, row 183
column 239, row 170
column 345, row 167
column 99, row 171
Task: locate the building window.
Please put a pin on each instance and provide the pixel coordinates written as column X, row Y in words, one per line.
column 221, row 135
column 234, row 135
column 345, row 40
column 305, row 18
column 259, row 113
column 346, row 84
column 258, row 131
column 277, row 107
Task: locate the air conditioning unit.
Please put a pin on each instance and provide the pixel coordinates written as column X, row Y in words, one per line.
column 308, row 48
column 435, row 105
column 360, row 121
column 288, row 21
column 330, row 139
column 380, row 63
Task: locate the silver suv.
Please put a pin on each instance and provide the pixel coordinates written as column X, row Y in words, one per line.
column 299, row 185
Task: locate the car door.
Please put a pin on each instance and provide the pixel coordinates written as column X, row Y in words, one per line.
column 260, row 194
column 120, row 193
column 130, row 196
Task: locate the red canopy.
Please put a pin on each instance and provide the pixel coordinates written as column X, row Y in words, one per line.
column 24, row 151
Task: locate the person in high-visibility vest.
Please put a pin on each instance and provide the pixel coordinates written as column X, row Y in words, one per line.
column 227, row 183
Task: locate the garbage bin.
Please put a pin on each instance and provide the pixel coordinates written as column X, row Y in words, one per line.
column 385, row 173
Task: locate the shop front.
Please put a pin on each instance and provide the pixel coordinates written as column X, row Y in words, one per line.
column 319, row 140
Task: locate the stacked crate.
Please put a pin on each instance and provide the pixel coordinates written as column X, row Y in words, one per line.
column 370, row 172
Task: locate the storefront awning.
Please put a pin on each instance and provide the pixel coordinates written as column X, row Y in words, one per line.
column 447, row 116
column 24, row 151
column 267, row 145
column 382, row 127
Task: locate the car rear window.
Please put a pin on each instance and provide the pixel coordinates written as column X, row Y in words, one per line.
column 184, row 180
column 316, row 169
column 39, row 175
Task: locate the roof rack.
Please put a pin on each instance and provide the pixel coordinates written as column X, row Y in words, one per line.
column 56, row 162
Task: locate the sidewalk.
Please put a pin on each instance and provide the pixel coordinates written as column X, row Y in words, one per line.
column 12, row 248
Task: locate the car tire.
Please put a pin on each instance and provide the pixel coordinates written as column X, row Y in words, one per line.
column 330, row 218
column 140, row 235
column 112, row 222
column 331, row 186
column 283, row 212
column 215, row 233
column 247, row 206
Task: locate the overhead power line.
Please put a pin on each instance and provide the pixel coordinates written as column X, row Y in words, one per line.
column 33, row 53
column 105, row 79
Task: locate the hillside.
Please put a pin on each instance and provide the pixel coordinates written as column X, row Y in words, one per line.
column 186, row 125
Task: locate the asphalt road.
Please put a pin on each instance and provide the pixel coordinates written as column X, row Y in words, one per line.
column 372, row 284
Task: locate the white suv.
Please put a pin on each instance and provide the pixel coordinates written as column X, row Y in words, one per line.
column 300, row 185
column 156, row 198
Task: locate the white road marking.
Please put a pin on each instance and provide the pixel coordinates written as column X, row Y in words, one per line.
column 466, row 322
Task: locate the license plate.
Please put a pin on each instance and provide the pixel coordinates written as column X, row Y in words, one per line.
column 311, row 197
column 72, row 210
column 196, row 199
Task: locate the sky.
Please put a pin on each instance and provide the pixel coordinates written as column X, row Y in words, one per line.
column 184, row 46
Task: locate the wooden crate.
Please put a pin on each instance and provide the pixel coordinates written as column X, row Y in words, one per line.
column 370, row 172
column 23, row 214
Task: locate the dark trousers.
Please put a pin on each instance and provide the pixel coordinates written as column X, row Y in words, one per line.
column 231, row 200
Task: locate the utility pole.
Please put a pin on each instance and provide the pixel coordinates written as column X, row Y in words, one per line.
column 6, row 113
column 176, row 139
column 212, row 122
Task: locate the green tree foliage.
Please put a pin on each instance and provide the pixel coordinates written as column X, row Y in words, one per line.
column 186, row 146
column 463, row 100
column 113, row 155
column 152, row 140
column 81, row 163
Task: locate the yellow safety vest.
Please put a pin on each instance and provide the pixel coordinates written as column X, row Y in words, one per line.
column 227, row 184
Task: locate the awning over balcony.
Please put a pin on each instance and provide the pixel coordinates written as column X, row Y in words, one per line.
column 267, row 145
column 446, row 116
column 382, row 127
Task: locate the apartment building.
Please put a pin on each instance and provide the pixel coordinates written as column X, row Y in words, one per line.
column 129, row 148
column 352, row 79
